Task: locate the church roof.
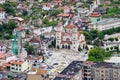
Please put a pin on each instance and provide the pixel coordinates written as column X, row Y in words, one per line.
column 71, row 26
column 35, row 40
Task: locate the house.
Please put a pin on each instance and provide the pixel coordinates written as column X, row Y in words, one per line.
column 36, row 41
column 66, row 9
column 47, row 6
column 57, row 2
column 19, row 66
column 2, row 14
column 4, row 57
column 95, row 17
column 63, row 16
column 2, row 47
column 2, row 1
column 69, row 38
column 106, row 24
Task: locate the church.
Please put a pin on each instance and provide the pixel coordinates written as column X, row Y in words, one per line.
column 69, row 37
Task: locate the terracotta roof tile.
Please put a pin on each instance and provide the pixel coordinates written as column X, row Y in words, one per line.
column 63, row 15
column 41, row 71
column 1, row 9
column 71, row 26
column 2, row 56
column 95, row 14
column 16, row 62
column 64, row 8
column 68, row 42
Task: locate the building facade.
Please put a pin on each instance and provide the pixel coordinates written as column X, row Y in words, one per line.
column 106, row 24
column 2, row 14
column 106, row 71
column 2, row 1
column 2, row 47
column 69, row 38
column 19, row 66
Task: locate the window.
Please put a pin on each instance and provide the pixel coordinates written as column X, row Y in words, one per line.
column 12, row 68
column 16, row 68
column 19, row 69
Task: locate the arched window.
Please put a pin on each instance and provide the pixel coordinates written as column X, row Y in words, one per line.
column 67, row 39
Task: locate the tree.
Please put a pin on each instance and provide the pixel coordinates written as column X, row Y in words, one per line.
column 107, row 49
column 116, row 39
column 100, row 35
column 79, row 48
column 27, row 32
column 111, row 39
column 30, row 49
column 24, row 13
column 97, row 54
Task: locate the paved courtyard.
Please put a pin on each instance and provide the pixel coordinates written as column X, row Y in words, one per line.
column 61, row 58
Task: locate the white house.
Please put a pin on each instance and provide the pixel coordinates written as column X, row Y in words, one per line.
column 2, row 14
column 69, row 38
column 106, row 24
column 47, row 6
column 2, row 47
column 66, row 9
column 19, row 66
column 2, row 1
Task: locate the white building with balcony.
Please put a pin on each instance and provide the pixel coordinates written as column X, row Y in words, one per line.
column 106, row 24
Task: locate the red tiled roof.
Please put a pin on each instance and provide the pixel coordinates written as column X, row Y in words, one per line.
column 87, row 63
column 64, row 7
column 57, row 1
column 68, row 42
column 16, row 62
column 1, row 43
column 47, row 4
column 63, row 15
column 1, row 9
column 66, row 34
column 6, row 64
column 71, row 26
column 30, row 58
column 83, row 41
column 2, row 56
column 35, row 40
column 95, row 14
column 19, row 29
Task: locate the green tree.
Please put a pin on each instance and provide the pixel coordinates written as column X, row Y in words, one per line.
column 97, row 54
column 111, row 39
column 79, row 48
column 30, row 49
column 24, row 13
column 107, row 49
column 27, row 32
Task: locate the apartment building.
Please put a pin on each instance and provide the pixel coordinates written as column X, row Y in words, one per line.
column 19, row 66
column 87, row 70
column 106, row 71
column 106, row 24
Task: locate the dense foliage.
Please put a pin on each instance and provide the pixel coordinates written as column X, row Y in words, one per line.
column 6, row 29
column 98, row 55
